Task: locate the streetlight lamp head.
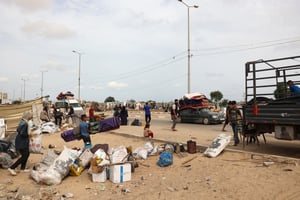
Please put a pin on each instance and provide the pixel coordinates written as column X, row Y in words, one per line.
column 74, row 51
column 180, row 0
column 195, row 6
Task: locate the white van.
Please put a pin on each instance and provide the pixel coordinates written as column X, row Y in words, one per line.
column 64, row 105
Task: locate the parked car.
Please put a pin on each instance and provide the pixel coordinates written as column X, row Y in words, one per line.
column 201, row 115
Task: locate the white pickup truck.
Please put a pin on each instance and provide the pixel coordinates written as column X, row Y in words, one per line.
column 65, row 104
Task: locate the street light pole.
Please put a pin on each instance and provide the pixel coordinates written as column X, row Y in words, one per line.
column 42, row 86
column 24, row 80
column 79, row 55
column 189, row 48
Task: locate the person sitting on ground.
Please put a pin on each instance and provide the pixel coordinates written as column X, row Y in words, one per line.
column 147, row 132
column 295, row 90
column 44, row 115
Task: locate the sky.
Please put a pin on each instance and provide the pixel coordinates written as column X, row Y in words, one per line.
column 138, row 49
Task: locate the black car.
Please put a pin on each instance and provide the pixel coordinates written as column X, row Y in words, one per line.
column 201, row 115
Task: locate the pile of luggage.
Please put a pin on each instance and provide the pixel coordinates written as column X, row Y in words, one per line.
column 193, row 100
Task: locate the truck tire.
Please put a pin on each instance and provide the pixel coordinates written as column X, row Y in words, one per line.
column 205, row 121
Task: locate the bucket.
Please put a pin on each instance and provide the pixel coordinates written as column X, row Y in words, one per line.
column 191, row 146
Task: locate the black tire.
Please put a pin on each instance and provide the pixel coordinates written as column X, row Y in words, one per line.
column 206, row 121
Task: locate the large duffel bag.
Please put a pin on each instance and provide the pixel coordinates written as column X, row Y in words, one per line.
column 68, row 135
column 109, row 124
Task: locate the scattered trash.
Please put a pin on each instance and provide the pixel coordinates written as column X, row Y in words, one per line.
column 125, row 190
column 68, row 195
column 102, row 187
column 171, row 189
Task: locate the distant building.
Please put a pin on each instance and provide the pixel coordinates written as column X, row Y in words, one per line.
column 3, row 98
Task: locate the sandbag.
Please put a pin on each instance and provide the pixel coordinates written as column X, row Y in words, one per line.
column 5, row 160
column 217, row 145
column 58, row 170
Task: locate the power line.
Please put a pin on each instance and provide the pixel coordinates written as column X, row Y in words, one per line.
column 247, row 47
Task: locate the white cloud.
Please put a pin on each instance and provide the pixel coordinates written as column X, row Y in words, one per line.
column 116, row 85
column 48, row 30
column 131, row 44
column 33, row 5
column 3, row 79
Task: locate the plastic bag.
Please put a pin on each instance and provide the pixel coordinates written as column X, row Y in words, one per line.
column 165, row 159
column 149, row 147
column 118, row 155
column 140, row 153
column 35, row 144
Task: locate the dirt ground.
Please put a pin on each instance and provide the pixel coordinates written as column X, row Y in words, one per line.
column 231, row 175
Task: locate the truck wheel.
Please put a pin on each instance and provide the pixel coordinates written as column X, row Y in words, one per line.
column 205, row 121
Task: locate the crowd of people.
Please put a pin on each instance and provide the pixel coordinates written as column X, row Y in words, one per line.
column 234, row 118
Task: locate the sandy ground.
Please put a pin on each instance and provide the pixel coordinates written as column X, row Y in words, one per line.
column 231, row 175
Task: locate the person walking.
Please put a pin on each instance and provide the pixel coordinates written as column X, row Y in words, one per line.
column 22, row 144
column 123, row 115
column 91, row 114
column 174, row 114
column 226, row 116
column 71, row 114
column 58, row 115
column 235, row 118
column 147, row 113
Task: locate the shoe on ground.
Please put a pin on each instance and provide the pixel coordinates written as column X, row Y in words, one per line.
column 173, row 129
column 12, row 172
column 235, row 144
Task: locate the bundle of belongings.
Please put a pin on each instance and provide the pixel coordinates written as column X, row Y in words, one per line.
column 62, row 95
column 193, row 100
column 95, row 127
column 8, row 150
column 102, row 163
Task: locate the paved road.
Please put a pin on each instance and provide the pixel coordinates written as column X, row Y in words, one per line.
column 204, row 134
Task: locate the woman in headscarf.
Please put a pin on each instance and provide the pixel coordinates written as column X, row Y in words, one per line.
column 22, row 143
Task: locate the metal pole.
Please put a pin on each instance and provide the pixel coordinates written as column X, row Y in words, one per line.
column 79, row 76
column 24, row 81
column 189, row 45
column 79, row 55
column 42, row 85
column 189, row 52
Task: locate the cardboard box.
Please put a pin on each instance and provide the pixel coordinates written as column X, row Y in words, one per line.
column 120, row 173
column 99, row 177
column 285, row 132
